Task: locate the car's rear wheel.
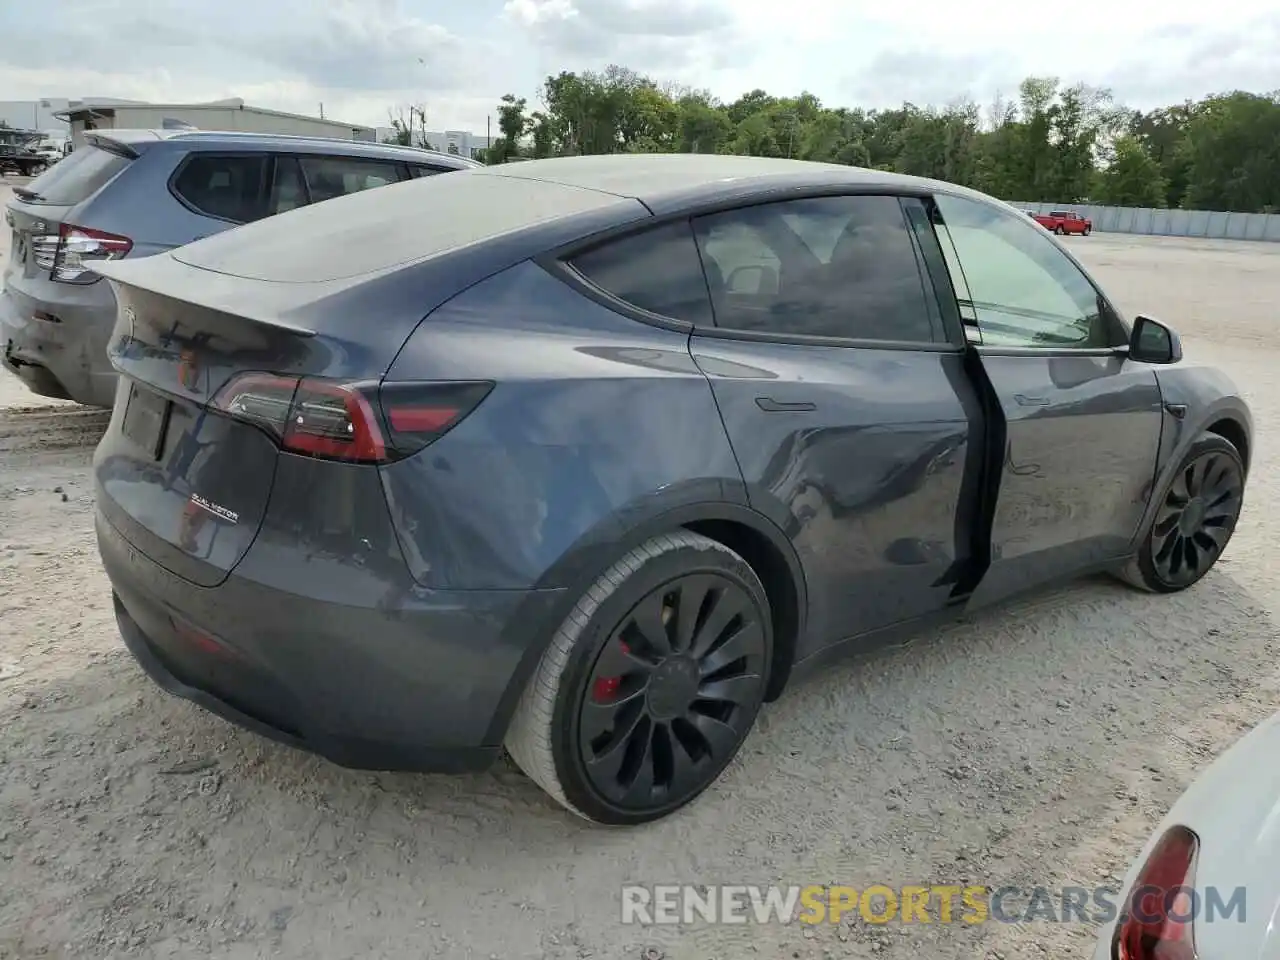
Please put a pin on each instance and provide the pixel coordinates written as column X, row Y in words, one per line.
column 1060, row 230
column 1196, row 516
column 651, row 684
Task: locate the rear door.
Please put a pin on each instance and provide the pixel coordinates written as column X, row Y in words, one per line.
column 1082, row 421
column 842, row 386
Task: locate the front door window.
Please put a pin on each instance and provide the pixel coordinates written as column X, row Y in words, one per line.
column 1016, row 284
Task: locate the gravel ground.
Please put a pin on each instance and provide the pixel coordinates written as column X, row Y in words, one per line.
column 1033, row 745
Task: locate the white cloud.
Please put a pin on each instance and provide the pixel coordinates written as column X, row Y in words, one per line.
column 360, row 57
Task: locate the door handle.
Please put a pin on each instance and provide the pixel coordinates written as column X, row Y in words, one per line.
column 769, row 405
column 1025, row 401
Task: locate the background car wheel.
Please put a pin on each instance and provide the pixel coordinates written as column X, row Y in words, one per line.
column 1088, row 230
column 651, row 684
column 1195, row 519
column 1060, row 230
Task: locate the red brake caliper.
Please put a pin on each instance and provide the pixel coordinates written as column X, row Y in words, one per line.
column 606, row 688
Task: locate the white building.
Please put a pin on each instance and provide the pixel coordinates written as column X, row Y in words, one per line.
column 35, row 115
column 461, row 142
column 232, row 114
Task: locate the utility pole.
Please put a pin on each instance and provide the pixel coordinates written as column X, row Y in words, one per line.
column 322, row 111
column 488, row 138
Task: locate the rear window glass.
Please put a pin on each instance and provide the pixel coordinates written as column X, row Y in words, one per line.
column 227, row 187
column 657, row 270
column 78, row 177
column 375, row 230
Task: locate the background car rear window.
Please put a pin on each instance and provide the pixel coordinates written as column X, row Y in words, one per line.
column 227, row 187
column 79, row 176
column 842, row 267
column 657, row 271
column 329, row 177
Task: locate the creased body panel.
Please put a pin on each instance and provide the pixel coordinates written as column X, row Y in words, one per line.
column 596, row 423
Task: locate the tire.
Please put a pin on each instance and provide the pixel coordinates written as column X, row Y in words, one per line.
column 1060, row 230
column 1200, row 505
column 1086, row 231
column 685, row 710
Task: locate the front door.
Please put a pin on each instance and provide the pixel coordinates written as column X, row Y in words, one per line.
column 846, row 401
column 1082, row 421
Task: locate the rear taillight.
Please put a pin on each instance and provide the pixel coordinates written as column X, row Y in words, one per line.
column 71, row 254
column 1158, row 915
column 356, row 422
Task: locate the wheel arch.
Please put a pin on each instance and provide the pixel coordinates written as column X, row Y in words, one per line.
column 747, row 532
column 1229, row 418
column 1229, row 428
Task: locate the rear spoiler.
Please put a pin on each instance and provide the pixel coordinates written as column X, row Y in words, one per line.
column 249, row 300
column 103, row 142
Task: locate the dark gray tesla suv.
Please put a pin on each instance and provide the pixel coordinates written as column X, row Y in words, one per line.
column 590, row 457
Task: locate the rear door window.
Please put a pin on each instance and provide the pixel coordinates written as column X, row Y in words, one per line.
column 656, row 270
column 228, row 187
column 79, row 176
column 329, row 177
column 839, row 267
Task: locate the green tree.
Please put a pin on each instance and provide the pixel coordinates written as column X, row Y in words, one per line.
column 1232, row 151
column 408, row 126
column 1132, row 178
column 1051, row 142
column 513, row 125
column 1163, row 134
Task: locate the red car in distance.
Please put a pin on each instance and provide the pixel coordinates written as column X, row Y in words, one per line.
column 1063, row 222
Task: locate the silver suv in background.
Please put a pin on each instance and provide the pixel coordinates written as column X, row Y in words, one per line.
column 134, row 193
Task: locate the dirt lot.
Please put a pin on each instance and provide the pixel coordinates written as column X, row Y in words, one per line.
column 1035, row 745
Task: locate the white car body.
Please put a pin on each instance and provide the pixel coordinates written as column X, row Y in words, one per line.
column 1234, row 809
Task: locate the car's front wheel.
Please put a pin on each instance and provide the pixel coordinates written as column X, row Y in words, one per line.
column 651, row 684
column 1195, row 519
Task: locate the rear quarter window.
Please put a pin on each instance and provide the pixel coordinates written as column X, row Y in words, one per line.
column 228, row 187
column 79, row 176
column 657, row 270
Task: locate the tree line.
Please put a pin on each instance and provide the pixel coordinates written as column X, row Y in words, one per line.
column 1051, row 142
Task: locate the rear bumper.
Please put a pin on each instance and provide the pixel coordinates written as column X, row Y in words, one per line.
column 424, row 681
column 58, row 345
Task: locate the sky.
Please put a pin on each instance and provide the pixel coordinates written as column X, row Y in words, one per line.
column 361, row 58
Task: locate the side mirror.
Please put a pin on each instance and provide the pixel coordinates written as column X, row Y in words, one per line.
column 1153, row 342
column 753, row 281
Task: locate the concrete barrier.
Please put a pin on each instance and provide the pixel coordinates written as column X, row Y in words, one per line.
column 1208, row 224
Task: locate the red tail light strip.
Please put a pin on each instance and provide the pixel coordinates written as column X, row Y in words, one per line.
column 1158, row 911
column 341, row 420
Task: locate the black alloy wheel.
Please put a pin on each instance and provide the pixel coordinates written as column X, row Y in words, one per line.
column 1197, row 517
column 673, row 692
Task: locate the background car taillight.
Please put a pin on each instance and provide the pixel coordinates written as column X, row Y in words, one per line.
column 71, row 253
column 1157, row 916
column 356, row 422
